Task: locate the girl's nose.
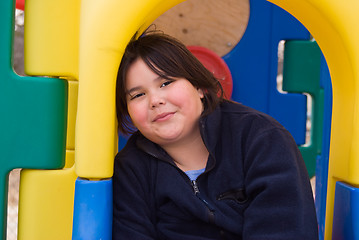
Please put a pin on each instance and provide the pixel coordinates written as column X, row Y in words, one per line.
column 156, row 101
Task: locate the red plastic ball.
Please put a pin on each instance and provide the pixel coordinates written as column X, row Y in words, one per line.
column 216, row 65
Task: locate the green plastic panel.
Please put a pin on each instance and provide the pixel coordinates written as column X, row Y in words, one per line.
column 301, row 74
column 33, row 114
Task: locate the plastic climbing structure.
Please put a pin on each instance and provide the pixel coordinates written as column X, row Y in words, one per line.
column 58, row 123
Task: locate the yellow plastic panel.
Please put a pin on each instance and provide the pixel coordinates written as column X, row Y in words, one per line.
column 71, row 114
column 70, row 158
column 334, row 24
column 106, row 28
column 52, row 37
column 46, row 204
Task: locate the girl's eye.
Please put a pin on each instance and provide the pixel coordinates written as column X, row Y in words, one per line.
column 137, row 95
column 166, row 83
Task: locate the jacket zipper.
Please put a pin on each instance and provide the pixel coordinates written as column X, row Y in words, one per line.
column 194, row 186
column 208, row 205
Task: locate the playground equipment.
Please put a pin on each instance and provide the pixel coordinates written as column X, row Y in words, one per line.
column 73, row 43
column 338, row 44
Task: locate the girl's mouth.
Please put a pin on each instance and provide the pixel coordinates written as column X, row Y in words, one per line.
column 163, row 117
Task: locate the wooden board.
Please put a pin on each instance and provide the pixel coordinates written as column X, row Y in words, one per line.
column 214, row 24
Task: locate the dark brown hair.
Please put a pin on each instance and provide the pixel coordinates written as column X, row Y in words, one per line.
column 170, row 59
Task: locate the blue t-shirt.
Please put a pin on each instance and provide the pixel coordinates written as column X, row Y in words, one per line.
column 193, row 174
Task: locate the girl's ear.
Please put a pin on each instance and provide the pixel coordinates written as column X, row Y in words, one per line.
column 200, row 93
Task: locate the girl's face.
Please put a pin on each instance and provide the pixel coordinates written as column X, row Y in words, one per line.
column 164, row 111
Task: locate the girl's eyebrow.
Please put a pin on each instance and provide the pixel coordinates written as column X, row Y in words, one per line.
column 134, row 89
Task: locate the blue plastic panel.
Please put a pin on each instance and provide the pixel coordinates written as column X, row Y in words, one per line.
column 254, row 63
column 346, row 212
column 92, row 210
column 323, row 160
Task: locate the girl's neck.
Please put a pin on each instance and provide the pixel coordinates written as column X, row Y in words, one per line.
column 189, row 155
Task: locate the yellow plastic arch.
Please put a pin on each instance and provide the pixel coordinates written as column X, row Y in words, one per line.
column 101, row 48
column 334, row 24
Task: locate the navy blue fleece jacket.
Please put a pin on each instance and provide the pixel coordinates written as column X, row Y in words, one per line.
column 255, row 185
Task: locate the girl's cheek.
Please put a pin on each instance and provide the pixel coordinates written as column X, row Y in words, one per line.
column 138, row 115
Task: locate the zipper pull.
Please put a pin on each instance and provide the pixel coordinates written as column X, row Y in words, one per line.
column 195, row 187
column 210, row 208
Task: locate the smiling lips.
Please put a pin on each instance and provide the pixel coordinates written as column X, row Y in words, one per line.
column 163, row 117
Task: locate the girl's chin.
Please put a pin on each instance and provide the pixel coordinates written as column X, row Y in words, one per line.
column 165, row 139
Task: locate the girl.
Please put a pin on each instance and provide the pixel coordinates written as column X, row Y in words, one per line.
column 198, row 166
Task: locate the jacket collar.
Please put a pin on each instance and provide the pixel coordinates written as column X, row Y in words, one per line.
column 210, row 126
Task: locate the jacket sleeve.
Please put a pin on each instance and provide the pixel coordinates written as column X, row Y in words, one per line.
column 132, row 210
column 278, row 187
